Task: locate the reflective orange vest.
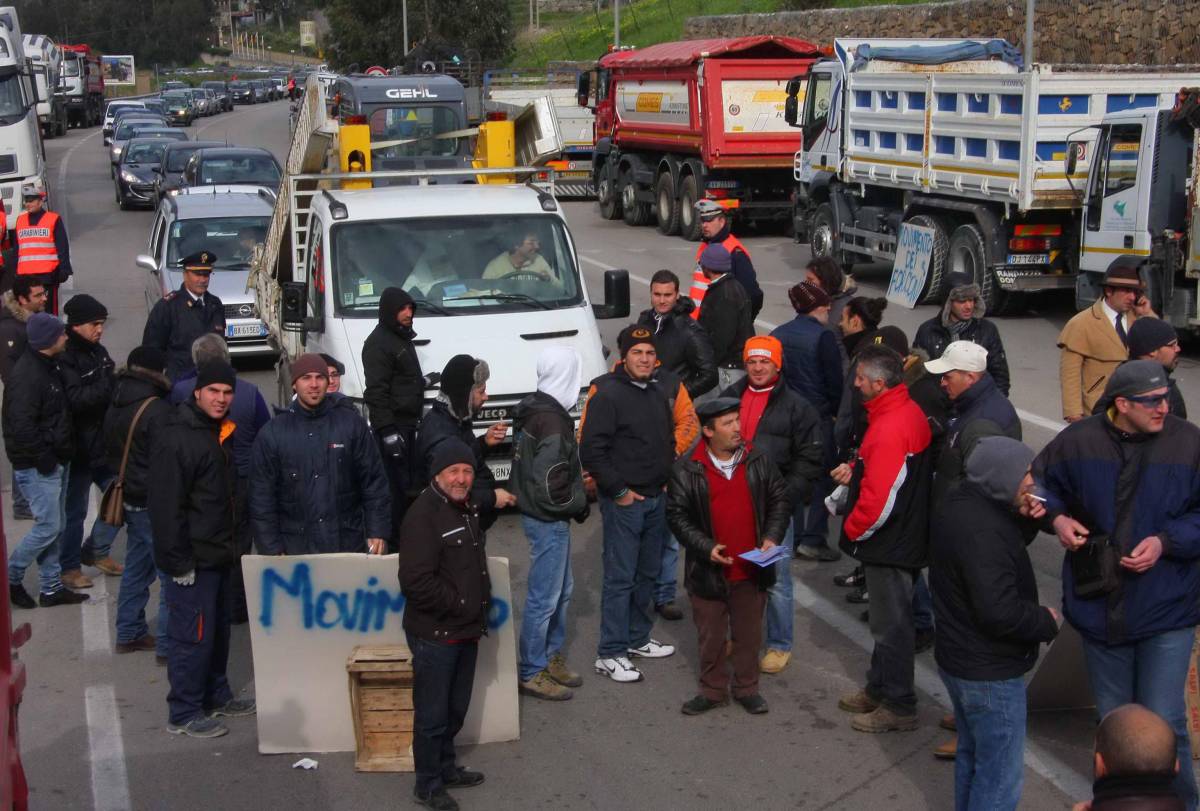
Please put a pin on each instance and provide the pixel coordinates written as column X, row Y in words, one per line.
column 700, row 281
column 36, row 253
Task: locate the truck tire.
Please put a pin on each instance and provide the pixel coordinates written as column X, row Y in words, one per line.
column 634, row 212
column 820, row 232
column 668, row 205
column 935, row 282
column 689, row 224
column 606, row 194
column 968, row 256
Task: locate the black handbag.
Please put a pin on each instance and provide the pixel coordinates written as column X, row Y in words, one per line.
column 1095, row 568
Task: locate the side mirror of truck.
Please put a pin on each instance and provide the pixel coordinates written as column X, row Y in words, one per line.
column 1074, row 153
column 791, row 111
column 583, row 89
column 616, row 295
column 291, row 306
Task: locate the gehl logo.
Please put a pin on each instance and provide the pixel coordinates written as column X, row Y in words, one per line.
column 410, row 93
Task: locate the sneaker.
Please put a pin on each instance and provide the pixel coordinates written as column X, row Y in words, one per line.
column 234, row 708
column 618, row 668
column 850, row 580
column 146, row 642
column 543, row 687
column 755, row 704
column 61, row 597
column 700, row 705
column 653, row 650
column 859, row 596
column 108, row 566
column 199, row 727
column 76, row 579
column 669, row 611
column 19, row 597
column 857, row 702
column 948, row 750
column 438, row 800
column 884, row 720
column 774, row 661
column 924, row 641
column 463, row 778
column 948, row 722
column 822, row 553
column 557, row 669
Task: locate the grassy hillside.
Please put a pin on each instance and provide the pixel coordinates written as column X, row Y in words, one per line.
column 586, row 36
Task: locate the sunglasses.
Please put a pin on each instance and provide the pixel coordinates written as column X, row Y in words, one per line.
column 1148, row 400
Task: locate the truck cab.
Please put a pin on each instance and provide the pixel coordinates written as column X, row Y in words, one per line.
column 21, row 157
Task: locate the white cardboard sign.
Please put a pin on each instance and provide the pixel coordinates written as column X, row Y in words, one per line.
column 913, row 249
column 309, row 612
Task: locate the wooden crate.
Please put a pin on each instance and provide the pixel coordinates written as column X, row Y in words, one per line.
column 381, row 700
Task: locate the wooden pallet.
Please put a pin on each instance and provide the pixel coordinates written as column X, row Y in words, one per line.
column 381, row 699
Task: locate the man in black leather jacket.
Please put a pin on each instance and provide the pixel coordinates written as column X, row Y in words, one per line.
column 683, row 346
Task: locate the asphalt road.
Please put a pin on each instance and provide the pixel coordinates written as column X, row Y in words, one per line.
column 93, row 723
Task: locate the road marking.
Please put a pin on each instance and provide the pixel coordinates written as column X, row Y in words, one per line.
column 96, row 636
column 1067, row 780
column 110, row 784
column 62, row 174
column 1054, row 426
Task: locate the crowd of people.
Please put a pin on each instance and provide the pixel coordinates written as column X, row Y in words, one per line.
column 735, row 447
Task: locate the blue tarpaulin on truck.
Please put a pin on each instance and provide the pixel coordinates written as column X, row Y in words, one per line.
column 939, row 54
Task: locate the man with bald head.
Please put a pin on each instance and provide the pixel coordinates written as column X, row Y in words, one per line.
column 1135, row 763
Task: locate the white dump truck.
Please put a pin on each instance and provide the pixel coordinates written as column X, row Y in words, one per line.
column 47, row 61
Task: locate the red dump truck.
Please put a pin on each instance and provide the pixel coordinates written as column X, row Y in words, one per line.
column 83, row 85
column 679, row 121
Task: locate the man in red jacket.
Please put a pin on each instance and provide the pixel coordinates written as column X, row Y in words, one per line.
column 886, row 528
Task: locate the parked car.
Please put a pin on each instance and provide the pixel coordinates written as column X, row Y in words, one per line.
column 137, row 171
column 200, row 99
column 235, row 165
column 223, row 93
column 133, row 130
column 242, row 92
column 144, row 118
column 179, row 108
column 155, row 106
column 229, row 224
column 261, row 91
column 215, row 106
column 279, row 84
column 169, row 177
column 110, row 113
column 176, row 85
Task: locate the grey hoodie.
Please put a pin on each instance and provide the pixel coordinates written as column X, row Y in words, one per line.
column 997, row 465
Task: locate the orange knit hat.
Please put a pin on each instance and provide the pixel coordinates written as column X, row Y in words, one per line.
column 764, row 346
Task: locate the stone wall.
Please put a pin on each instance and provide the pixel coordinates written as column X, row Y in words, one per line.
column 1148, row 32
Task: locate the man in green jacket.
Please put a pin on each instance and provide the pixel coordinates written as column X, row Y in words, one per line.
column 548, row 482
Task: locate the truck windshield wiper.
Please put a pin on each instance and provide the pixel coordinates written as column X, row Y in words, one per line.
column 521, row 297
column 420, row 302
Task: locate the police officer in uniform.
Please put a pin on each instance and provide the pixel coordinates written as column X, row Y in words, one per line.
column 43, row 251
column 714, row 230
column 184, row 315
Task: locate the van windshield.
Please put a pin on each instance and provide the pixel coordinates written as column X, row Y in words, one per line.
column 71, row 67
column 456, row 265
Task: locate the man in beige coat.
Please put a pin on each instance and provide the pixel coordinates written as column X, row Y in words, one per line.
column 1094, row 342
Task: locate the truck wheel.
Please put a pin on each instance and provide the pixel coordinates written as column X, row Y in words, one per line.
column 606, row 195
column 820, row 231
column 668, row 205
column 967, row 256
column 689, row 224
column 935, row 282
column 633, row 211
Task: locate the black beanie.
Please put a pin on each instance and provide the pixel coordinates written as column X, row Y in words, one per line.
column 451, row 451
column 147, row 357
column 1149, row 334
column 215, row 371
column 83, row 309
column 633, row 335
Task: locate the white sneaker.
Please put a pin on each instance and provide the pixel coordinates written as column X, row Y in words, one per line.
column 653, row 650
column 618, row 669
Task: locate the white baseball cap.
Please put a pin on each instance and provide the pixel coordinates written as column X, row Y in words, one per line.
column 965, row 356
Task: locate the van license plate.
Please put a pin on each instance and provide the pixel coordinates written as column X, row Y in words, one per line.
column 1029, row 259
column 501, row 469
column 245, row 331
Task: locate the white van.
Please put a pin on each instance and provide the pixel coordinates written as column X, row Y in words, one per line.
column 492, row 268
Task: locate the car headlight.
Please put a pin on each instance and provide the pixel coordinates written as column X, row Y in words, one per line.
column 116, row 152
column 130, row 177
column 174, row 192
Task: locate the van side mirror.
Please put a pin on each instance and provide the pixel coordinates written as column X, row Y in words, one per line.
column 1074, row 153
column 616, row 295
column 291, row 307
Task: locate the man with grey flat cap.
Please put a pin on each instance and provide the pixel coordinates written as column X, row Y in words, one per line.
column 1122, row 494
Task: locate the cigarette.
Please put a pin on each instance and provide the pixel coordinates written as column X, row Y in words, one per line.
column 1038, row 498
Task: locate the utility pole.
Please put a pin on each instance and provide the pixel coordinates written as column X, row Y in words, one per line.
column 617, row 23
column 404, row 19
column 1029, row 8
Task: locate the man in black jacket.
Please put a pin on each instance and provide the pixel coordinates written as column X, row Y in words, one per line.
column 683, row 346
column 38, row 441
column 88, row 378
column 191, row 497
column 725, row 314
column 142, row 383
column 463, row 393
column 184, row 315
column 627, row 445
column 726, row 500
column 394, row 391
column 317, row 483
column 1156, row 339
column 782, row 424
column 962, row 319
column 989, row 622
column 443, row 575
column 1135, row 763
column 26, row 298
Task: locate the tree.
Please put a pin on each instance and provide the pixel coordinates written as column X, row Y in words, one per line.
column 370, row 32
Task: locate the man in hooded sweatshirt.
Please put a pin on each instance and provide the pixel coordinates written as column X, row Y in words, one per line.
column 394, row 391
column 548, row 483
column 464, row 391
column 962, row 319
column 989, row 622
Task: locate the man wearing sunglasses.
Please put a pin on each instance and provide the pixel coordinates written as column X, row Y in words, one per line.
column 1125, row 485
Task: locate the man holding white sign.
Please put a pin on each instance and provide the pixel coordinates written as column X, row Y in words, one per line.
column 913, row 249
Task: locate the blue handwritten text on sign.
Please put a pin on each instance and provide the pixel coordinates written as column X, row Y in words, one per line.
column 913, row 251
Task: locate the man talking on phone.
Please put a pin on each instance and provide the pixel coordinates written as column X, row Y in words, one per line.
column 1122, row 493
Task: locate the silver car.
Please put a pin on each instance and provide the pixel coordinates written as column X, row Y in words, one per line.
column 229, row 224
column 201, row 100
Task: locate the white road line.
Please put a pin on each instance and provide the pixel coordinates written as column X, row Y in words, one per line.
column 1054, row 426
column 62, row 175
column 1067, row 780
column 110, row 784
column 97, row 638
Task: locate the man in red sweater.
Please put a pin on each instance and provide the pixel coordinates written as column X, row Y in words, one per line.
column 726, row 499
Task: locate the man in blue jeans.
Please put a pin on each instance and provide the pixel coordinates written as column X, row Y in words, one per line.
column 548, row 484
column 142, row 386
column 38, row 441
column 628, row 446
column 989, row 622
column 1126, row 483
